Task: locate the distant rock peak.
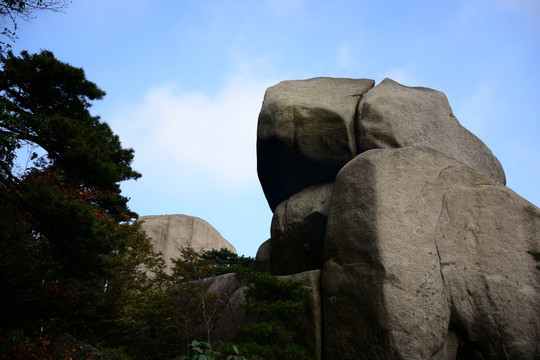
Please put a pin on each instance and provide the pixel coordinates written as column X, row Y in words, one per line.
column 171, row 233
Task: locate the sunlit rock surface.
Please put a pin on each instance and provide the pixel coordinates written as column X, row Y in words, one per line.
column 171, row 233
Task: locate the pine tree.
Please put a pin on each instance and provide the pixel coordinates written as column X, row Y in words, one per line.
column 60, row 169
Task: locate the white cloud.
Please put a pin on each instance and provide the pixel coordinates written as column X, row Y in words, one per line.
column 194, row 136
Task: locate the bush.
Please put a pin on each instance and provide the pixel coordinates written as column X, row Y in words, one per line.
column 273, row 328
column 204, row 351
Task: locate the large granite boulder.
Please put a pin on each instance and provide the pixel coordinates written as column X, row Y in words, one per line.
column 171, row 233
column 425, row 253
column 427, row 258
column 306, row 133
column 298, row 229
column 263, row 257
column 309, row 129
column 392, row 115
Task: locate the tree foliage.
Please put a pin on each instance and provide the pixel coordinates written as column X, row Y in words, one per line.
column 45, row 104
column 63, row 217
column 114, row 313
column 274, row 325
column 224, row 261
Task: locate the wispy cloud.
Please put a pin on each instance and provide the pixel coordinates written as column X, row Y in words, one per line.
column 202, row 137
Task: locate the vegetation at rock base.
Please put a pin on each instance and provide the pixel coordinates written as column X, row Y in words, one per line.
column 224, row 261
column 205, row 351
column 273, row 328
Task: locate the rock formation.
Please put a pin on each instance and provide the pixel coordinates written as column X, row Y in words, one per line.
column 230, row 290
column 394, row 116
column 439, row 253
column 306, row 133
column 298, row 229
column 423, row 251
column 171, row 233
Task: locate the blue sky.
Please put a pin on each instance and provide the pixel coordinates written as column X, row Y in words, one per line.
column 185, row 81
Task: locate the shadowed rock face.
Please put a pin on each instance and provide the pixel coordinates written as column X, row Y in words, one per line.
column 298, row 229
column 425, row 253
column 309, row 129
column 230, row 290
column 306, row 133
column 171, row 233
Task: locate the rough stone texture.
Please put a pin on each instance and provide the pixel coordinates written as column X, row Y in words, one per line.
column 306, row 133
column 392, row 115
column 223, row 297
column 262, row 258
column 171, row 233
column 231, row 293
column 424, row 253
column 313, row 316
column 298, row 229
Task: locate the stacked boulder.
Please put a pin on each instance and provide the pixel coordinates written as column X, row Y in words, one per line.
column 422, row 251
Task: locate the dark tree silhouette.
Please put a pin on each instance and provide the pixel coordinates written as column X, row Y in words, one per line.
column 62, row 211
